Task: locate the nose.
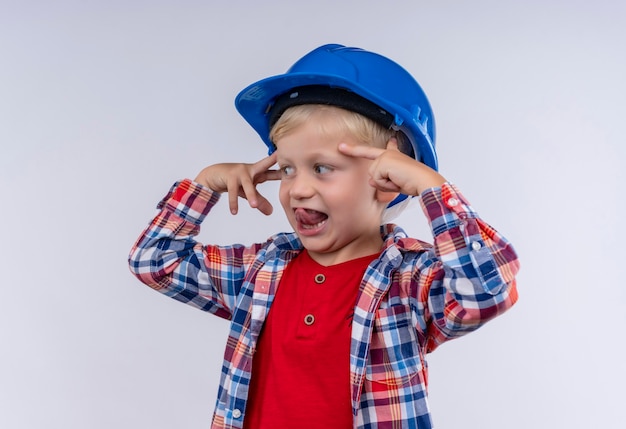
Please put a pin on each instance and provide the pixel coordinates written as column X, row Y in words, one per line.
column 301, row 187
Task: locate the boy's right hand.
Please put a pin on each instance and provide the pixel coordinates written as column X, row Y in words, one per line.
column 240, row 180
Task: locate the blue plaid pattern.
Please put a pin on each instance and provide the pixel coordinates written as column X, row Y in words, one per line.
column 413, row 298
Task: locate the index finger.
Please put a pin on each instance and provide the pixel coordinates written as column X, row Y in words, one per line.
column 360, row 150
column 261, row 169
column 265, row 163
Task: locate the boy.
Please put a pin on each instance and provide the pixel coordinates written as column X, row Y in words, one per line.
column 355, row 306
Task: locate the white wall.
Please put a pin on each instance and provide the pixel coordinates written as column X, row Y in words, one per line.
column 104, row 104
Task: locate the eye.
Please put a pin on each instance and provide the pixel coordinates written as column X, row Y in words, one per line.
column 322, row 169
column 286, row 170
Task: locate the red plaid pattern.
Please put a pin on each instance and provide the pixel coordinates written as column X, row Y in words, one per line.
column 413, row 298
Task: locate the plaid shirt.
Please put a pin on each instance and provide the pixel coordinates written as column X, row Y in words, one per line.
column 412, row 298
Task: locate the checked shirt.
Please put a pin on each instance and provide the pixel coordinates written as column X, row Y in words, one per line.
column 412, row 298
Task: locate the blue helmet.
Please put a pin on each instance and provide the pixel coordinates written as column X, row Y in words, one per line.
column 352, row 78
column 370, row 76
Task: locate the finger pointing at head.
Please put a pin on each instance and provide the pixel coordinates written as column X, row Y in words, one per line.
column 392, row 144
column 360, row 150
column 266, row 162
column 261, row 171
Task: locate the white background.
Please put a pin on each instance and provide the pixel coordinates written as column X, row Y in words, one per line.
column 104, row 104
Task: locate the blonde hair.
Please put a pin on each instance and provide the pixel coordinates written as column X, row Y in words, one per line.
column 363, row 129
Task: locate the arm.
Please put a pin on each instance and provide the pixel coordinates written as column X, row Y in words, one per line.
column 167, row 257
column 468, row 277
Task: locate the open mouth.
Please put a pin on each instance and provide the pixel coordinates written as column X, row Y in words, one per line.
column 309, row 219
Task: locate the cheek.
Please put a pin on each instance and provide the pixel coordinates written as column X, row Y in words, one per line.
column 283, row 193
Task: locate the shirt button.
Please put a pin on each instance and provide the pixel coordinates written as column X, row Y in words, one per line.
column 476, row 245
column 309, row 319
column 453, row 202
column 236, row 413
column 320, row 278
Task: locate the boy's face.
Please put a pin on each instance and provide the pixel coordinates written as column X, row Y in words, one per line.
column 326, row 195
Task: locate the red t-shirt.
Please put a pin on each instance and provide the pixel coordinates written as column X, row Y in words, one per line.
column 301, row 369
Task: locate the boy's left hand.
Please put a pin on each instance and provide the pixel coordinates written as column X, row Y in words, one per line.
column 393, row 171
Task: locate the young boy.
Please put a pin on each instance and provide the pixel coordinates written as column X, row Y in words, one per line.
column 330, row 323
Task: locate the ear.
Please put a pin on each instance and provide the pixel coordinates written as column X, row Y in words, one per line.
column 385, row 196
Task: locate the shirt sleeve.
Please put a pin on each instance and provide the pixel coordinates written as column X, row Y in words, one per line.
column 470, row 273
column 167, row 258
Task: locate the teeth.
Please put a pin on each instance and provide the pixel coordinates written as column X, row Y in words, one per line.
column 317, row 225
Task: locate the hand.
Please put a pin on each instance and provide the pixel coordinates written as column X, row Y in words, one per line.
column 393, row 171
column 241, row 180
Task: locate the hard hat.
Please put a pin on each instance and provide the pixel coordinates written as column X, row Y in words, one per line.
column 348, row 77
